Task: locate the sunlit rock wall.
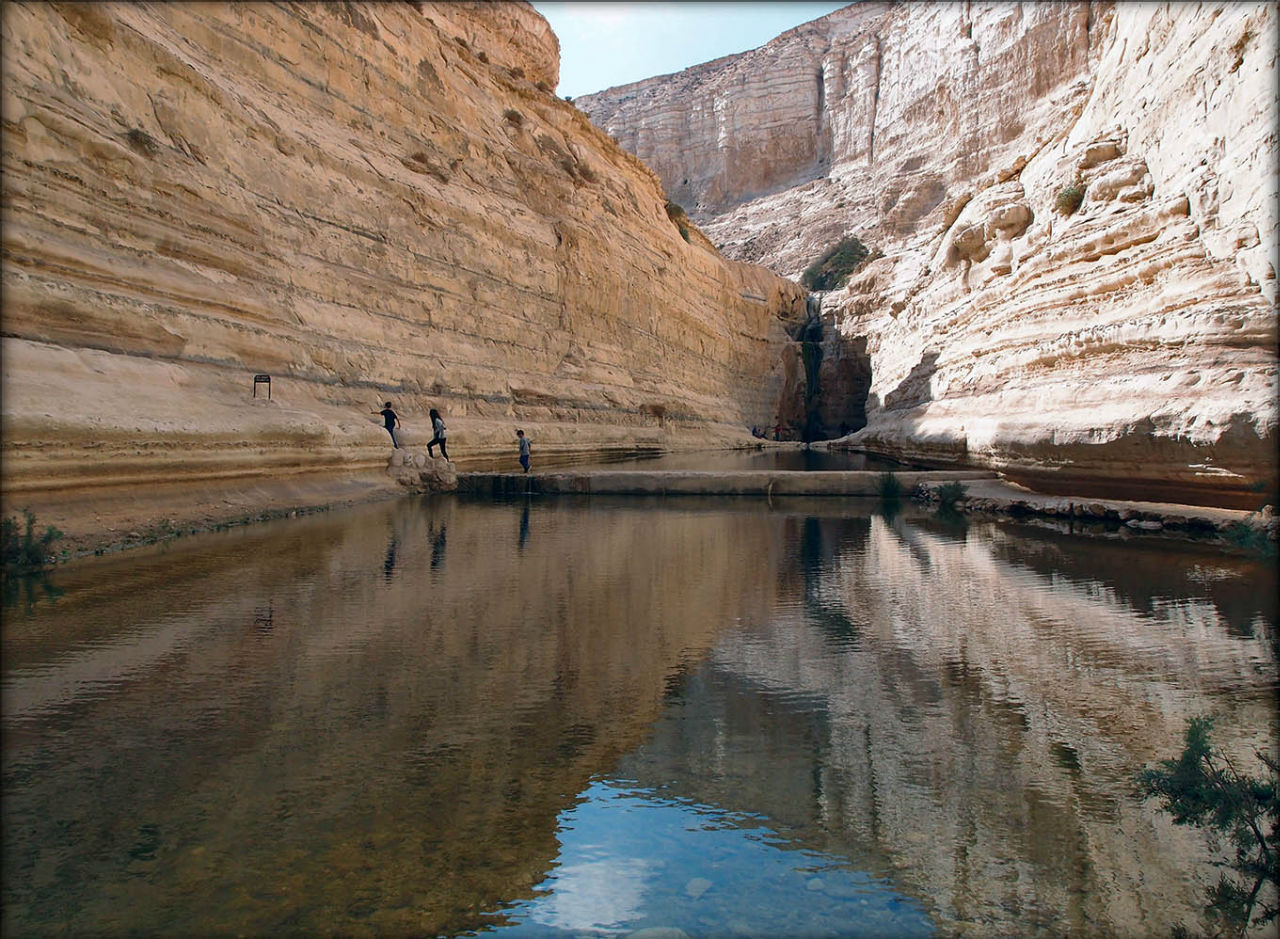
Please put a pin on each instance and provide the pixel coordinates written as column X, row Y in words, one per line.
column 1134, row 338
column 364, row 201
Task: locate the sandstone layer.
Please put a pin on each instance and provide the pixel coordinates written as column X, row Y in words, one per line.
column 366, row 202
column 1132, row 338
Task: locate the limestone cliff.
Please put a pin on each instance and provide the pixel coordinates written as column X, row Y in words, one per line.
column 1129, row 338
column 364, row 201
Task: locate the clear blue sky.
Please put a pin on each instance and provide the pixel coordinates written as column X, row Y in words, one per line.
column 603, row 44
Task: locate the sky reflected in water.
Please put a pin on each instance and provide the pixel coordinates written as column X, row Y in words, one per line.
column 631, row 860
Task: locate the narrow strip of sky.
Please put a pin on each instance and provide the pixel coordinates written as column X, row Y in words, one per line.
column 603, row 44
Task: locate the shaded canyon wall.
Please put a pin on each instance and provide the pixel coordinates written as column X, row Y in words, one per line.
column 366, row 202
column 1133, row 337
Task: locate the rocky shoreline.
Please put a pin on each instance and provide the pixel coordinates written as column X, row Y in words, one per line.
column 1230, row 529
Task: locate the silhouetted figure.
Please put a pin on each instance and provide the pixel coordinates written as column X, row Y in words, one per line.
column 524, row 450
column 437, row 548
column 439, row 432
column 391, row 421
column 389, row 564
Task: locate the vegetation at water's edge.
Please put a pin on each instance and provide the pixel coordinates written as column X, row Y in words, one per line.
column 836, row 264
column 890, row 487
column 1202, row 787
column 951, row 493
column 1247, row 538
column 24, row 551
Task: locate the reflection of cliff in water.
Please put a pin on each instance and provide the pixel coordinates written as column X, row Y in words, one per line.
column 391, row 755
column 964, row 717
column 337, row 724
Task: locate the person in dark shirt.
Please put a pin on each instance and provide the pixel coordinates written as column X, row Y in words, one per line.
column 390, row 421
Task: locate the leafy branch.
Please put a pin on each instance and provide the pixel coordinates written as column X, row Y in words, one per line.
column 1202, row 787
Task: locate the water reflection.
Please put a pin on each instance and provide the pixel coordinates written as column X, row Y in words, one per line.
column 790, row 459
column 631, row 859
column 24, row 591
column 340, row 725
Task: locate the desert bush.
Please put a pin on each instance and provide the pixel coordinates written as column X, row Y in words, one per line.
column 1250, row 539
column 890, row 487
column 951, row 493
column 1070, row 197
column 24, row 552
column 677, row 214
column 142, row 142
column 835, row 265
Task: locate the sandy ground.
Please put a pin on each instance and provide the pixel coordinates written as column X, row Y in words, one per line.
column 106, row 519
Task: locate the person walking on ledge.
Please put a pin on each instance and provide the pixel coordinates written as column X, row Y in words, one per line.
column 437, row 427
column 391, row 421
column 524, row 450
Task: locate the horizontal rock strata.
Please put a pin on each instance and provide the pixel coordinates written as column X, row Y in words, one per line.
column 1072, row 215
column 365, row 202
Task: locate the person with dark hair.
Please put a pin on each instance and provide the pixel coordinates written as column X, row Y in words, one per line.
column 524, row 450
column 438, row 429
column 391, row 421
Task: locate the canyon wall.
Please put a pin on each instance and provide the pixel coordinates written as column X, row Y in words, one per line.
column 1128, row 333
column 365, row 202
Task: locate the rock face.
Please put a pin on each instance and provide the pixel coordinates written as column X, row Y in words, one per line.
column 1132, row 337
column 419, row 471
column 365, row 202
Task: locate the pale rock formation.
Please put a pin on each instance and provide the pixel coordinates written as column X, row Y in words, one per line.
column 364, row 201
column 421, row 472
column 1132, row 339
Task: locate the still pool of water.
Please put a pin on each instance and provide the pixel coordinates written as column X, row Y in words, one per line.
column 594, row 716
column 791, row 459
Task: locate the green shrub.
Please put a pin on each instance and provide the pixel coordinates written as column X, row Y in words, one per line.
column 951, row 493
column 1202, row 788
column 142, row 142
column 836, row 264
column 1250, row 539
column 24, row 553
column 1070, row 197
column 677, row 214
column 890, row 487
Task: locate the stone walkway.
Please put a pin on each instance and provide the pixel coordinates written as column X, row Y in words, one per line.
column 766, row 483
